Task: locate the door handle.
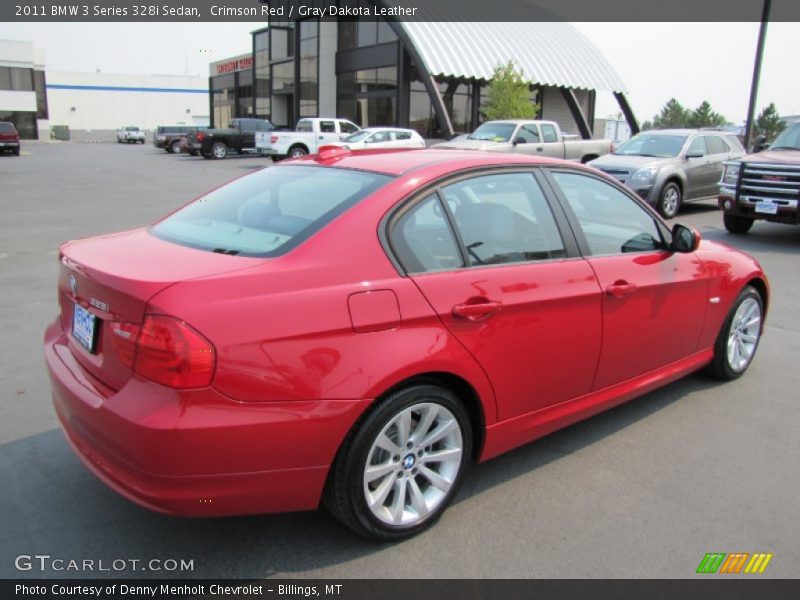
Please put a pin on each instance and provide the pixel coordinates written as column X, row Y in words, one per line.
column 618, row 289
column 322, row 137
column 539, row 149
column 476, row 311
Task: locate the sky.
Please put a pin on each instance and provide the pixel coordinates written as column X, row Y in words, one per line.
column 657, row 61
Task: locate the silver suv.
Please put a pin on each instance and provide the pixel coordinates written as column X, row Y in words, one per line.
column 668, row 167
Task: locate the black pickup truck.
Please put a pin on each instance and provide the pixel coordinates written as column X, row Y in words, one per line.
column 239, row 136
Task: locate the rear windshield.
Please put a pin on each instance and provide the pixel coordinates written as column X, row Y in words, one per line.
column 7, row 127
column 269, row 212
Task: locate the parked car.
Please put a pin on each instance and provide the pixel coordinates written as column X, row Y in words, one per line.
column 130, row 135
column 374, row 138
column 357, row 328
column 537, row 138
column 239, row 136
column 9, row 138
column 168, row 137
column 668, row 167
column 763, row 186
column 309, row 135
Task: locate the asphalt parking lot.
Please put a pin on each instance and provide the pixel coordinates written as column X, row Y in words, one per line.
column 644, row 490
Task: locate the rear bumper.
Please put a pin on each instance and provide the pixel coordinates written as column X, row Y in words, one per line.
column 196, row 453
column 9, row 145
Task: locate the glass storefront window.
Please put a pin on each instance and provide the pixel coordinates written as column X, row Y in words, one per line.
column 25, row 122
column 368, row 97
column 41, row 94
column 282, row 41
column 309, row 51
column 16, row 79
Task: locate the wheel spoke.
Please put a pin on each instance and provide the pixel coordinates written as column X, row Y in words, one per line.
column 750, row 339
column 403, row 424
column 399, row 500
column 374, row 472
column 436, row 480
column 441, row 431
column 376, row 498
column 441, row 455
column 417, row 498
column 424, row 424
column 385, row 443
column 753, row 322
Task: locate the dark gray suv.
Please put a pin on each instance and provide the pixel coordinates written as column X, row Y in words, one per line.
column 668, row 167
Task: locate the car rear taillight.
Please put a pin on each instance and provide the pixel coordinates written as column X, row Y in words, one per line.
column 200, row 137
column 273, row 139
column 166, row 350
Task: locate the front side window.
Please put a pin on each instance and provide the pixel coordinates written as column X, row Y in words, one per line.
column 528, row 134
column 269, row 212
column 698, row 145
column 503, row 218
column 611, row 221
column 348, row 127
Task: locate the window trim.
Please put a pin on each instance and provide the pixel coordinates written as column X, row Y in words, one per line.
column 389, row 221
column 577, row 230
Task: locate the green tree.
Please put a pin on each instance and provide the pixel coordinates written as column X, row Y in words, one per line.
column 704, row 116
column 769, row 123
column 508, row 95
column 672, row 115
column 646, row 125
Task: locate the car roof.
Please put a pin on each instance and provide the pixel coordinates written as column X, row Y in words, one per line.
column 399, row 162
column 675, row 131
column 388, row 129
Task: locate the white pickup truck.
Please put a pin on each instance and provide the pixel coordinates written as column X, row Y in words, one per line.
column 309, row 135
column 537, row 138
column 130, row 135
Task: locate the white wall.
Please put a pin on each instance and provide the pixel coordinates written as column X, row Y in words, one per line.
column 554, row 108
column 16, row 54
column 92, row 111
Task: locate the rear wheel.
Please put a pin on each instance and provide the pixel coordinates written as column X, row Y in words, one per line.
column 738, row 339
column 669, row 202
column 175, row 147
column 15, row 151
column 219, row 150
column 297, row 151
column 206, row 154
column 737, row 224
column 399, row 470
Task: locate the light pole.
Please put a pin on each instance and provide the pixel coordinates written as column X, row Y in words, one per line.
column 751, row 109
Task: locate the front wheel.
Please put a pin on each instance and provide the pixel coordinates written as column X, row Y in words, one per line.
column 736, row 224
column 175, row 147
column 399, row 470
column 738, row 339
column 669, row 202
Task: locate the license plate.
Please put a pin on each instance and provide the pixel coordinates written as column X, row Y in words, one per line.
column 767, row 207
column 2, row 143
column 84, row 325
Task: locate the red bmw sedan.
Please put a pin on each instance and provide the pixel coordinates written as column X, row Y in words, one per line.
column 357, row 328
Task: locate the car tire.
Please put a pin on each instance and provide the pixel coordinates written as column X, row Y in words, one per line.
column 736, row 224
column 297, row 151
column 15, row 152
column 192, row 152
column 390, row 482
column 219, row 150
column 738, row 339
column 175, row 147
column 669, row 200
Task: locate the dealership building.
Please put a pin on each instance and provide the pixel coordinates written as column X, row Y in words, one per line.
column 432, row 77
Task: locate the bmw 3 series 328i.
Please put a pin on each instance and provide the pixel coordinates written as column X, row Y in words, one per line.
column 355, row 329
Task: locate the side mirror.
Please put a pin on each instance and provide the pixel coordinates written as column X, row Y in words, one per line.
column 684, row 239
column 519, row 140
column 695, row 154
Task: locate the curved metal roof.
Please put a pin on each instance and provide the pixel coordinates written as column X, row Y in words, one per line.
column 549, row 53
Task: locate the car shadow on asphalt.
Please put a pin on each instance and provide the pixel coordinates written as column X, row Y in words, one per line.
column 52, row 505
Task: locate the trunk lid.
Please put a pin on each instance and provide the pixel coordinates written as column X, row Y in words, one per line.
column 113, row 278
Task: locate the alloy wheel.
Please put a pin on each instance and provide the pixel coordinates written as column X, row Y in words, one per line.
column 412, row 464
column 743, row 334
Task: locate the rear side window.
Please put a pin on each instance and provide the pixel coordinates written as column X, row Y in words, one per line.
column 305, row 126
column 612, row 223
column 402, row 135
column 423, row 239
column 269, row 212
column 504, row 218
column 327, row 127
column 716, row 145
column 7, row 127
column 549, row 133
